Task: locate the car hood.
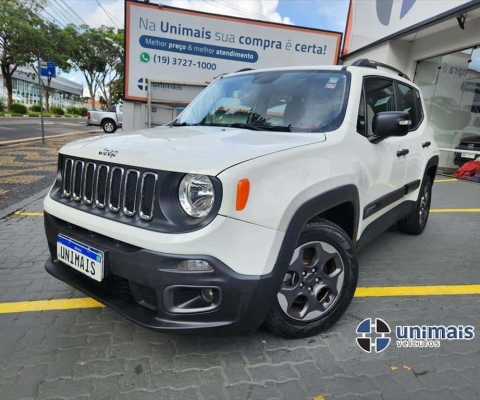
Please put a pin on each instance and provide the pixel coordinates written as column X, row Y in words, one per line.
column 199, row 149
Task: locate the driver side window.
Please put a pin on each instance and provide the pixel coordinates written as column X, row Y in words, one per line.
column 379, row 97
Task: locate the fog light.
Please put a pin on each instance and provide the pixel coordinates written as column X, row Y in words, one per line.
column 194, row 265
column 207, row 295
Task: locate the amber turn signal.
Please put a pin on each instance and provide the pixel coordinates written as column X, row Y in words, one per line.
column 243, row 190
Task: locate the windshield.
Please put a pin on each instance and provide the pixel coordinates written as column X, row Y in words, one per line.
column 296, row 101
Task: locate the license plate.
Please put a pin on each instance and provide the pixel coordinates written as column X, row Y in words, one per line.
column 79, row 256
column 468, row 155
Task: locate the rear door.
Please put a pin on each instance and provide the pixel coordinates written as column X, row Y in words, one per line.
column 384, row 166
column 419, row 148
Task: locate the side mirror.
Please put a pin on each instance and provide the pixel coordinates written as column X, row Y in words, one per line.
column 390, row 123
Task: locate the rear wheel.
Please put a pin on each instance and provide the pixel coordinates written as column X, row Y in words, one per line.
column 109, row 126
column 319, row 284
column 415, row 222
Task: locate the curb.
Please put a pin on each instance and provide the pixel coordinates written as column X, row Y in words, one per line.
column 15, row 207
column 27, row 140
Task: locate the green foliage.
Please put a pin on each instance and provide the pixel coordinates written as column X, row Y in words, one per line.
column 2, row 104
column 20, row 29
column 82, row 111
column 57, row 110
column 35, row 108
column 17, row 108
column 72, row 110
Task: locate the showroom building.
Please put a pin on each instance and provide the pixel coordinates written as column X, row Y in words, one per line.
column 437, row 44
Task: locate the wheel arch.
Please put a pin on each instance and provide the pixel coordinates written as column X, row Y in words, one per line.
column 431, row 167
column 319, row 207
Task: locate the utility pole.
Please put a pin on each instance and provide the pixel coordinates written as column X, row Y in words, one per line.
column 41, row 97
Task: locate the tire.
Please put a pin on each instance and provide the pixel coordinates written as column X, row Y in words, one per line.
column 415, row 222
column 329, row 252
column 109, row 126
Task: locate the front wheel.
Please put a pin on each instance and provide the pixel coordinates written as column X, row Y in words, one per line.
column 319, row 284
column 415, row 222
column 109, row 126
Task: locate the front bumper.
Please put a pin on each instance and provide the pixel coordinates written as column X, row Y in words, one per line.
column 139, row 284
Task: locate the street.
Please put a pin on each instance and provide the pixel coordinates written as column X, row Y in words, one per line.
column 13, row 128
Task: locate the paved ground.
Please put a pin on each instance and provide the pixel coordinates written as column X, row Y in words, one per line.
column 95, row 354
column 12, row 128
column 26, row 169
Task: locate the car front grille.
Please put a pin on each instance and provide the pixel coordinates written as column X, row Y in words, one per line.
column 110, row 187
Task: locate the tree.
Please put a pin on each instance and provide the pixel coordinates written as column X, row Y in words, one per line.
column 91, row 53
column 54, row 44
column 111, row 78
column 20, row 27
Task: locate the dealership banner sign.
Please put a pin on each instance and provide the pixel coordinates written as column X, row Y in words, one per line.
column 177, row 45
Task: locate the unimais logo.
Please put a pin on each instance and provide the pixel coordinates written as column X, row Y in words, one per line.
column 374, row 336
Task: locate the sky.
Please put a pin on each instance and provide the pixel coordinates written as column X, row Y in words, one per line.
column 319, row 14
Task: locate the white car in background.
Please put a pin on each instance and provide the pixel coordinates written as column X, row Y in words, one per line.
column 109, row 120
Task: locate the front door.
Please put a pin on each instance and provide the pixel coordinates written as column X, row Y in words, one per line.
column 384, row 166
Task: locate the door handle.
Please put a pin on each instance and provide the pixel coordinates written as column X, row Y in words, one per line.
column 402, row 152
column 426, row 144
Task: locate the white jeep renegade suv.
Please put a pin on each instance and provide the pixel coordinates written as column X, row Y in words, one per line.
column 251, row 206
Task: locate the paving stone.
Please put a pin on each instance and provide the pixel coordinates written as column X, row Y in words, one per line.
column 99, row 368
column 235, row 368
column 136, row 374
column 63, row 365
column 294, row 356
column 291, row 390
column 212, row 384
column 28, row 382
column 130, row 350
column 277, row 373
column 186, row 394
column 144, row 395
column 174, row 380
column 249, row 391
column 197, row 361
column 106, row 388
column 92, row 328
column 162, row 358
column 310, row 378
column 65, row 387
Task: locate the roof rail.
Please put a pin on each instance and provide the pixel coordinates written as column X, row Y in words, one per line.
column 364, row 62
column 244, row 69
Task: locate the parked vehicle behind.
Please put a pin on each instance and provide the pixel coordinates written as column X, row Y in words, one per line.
column 109, row 120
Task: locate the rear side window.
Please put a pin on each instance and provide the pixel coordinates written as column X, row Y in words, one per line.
column 408, row 99
column 418, row 101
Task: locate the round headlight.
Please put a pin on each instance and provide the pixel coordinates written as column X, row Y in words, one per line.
column 196, row 195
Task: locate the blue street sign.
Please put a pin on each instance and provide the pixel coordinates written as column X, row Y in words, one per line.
column 48, row 69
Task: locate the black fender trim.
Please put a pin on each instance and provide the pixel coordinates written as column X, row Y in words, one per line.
column 310, row 209
column 434, row 161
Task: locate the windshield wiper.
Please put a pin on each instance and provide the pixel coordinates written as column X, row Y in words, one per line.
column 253, row 127
column 182, row 124
column 241, row 125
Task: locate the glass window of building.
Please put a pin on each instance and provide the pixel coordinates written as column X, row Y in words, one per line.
column 450, row 86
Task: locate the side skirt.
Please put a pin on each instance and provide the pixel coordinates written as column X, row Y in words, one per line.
column 384, row 222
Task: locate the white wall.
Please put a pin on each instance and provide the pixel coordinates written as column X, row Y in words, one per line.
column 134, row 116
column 404, row 55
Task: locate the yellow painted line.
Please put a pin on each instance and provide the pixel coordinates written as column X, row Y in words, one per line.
column 446, row 180
column 381, row 291
column 455, row 210
column 319, row 398
column 394, row 291
column 46, row 305
column 29, row 214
